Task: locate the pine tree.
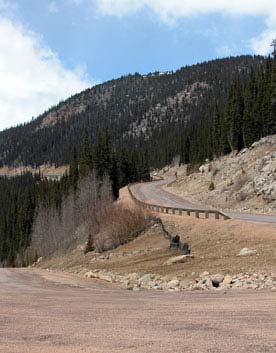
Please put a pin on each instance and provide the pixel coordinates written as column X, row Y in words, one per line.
column 145, row 172
column 115, row 176
column 250, row 115
column 233, row 128
column 216, row 133
column 74, row 170
column 185, row 155
column 272, row 122
column 86, row 160
column 102, row 154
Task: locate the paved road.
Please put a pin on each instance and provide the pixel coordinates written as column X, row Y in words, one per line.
column 253, row 218
column 153, row 193
column 42, row 312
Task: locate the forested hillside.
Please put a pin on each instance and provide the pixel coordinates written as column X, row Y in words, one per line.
column 111, row 135
column 149, row 113
column 249, row 114
column 31, row 206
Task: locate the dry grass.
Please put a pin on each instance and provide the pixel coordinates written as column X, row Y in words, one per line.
column 119, row 225
column 214, row 244
column 112, row 224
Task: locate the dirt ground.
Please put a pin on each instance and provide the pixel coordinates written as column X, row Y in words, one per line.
column 214, row 244
column 52, row 311
column 46, row 312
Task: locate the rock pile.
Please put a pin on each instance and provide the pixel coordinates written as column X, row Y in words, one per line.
column 240, row 281
column 206, row 281
column 135, row 281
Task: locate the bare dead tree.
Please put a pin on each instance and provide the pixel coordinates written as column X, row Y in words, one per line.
column 57, row 230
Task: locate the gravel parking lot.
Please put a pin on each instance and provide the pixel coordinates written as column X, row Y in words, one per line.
column 43, row 311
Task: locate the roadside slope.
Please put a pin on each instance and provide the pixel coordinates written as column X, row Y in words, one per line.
column 215, row 246
column 243, row 185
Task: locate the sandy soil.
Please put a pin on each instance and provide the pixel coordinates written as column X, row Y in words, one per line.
column 45, row 312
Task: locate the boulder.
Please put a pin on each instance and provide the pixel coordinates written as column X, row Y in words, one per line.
column 108, row 277
column 133, row 276
column 39, row 260
column 203, row 169
column 173, row 284
column 178, row 259
column 151, row 285
column 217, row 279
column 91, row 274
column 204, row 274
column 146, row 278
column 197, row 287
column 247, row 252
column 227, row 280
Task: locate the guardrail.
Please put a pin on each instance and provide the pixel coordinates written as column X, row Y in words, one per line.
column 178, row 211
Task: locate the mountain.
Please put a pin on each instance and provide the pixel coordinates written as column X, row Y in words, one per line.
column 139, row 111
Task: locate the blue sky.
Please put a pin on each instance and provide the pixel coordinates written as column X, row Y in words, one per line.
column 110, row 46
column 50, row 49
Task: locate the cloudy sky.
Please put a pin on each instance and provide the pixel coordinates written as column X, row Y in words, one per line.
column 51, row 49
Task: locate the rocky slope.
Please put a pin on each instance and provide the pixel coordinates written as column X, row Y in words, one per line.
column 243, row 181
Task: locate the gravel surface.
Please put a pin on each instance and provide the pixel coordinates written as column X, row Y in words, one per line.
column 44, row 311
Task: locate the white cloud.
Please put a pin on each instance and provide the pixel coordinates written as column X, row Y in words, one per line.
column 120, row 8
column 261, row 44
column 171, row 10
column 32, row 76
column 52, row 7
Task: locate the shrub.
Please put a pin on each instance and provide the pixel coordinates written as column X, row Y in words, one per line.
column 117, row 225
column 211, row 186
column 241, row 196
column 192, row 168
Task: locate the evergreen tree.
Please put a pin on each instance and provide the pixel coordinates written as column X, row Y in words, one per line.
column 145, row 170
column 86, row 160
column 233, row 116
column 74, row 170
column 115, row 175
column 103, row 154
column 215, row 133
column 250, row 115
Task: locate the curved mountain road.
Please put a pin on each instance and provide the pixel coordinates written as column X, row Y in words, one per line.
column 44, row 312
column 153, row 193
